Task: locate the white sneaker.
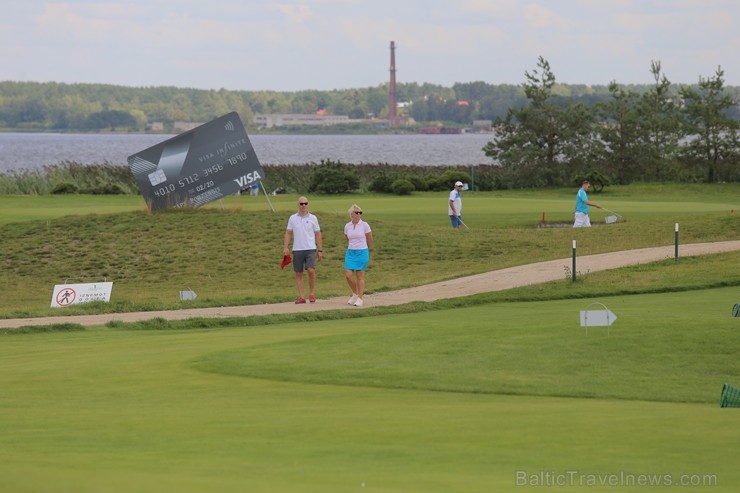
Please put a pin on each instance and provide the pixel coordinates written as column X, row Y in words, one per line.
column 358, row 302
column 352, row 300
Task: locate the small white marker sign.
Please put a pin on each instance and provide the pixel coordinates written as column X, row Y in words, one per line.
column 188, row 294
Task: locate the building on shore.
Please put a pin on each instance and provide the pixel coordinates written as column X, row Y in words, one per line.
column 176, row 126
column 283, row 119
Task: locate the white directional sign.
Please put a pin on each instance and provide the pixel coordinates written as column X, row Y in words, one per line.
column 597, row 318
column 187, row 294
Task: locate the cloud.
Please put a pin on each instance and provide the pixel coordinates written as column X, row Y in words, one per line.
column 539, row 17
column 344, row 43
column 500, row 9
column 296, row 13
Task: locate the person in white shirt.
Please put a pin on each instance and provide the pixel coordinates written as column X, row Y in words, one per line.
column 359, row 240
column 454, row 207
column 307, row 248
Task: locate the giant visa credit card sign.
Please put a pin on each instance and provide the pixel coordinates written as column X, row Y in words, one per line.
column 199, row 166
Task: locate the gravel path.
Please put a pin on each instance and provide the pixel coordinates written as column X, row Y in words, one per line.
column 490, row 281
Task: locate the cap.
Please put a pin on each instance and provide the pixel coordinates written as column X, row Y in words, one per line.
column 458, row 183
column 286, row 261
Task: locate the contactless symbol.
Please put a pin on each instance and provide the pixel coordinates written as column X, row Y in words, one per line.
column 66, row 297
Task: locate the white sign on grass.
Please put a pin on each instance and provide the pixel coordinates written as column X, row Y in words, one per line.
column 72, row 294
column 597, row 318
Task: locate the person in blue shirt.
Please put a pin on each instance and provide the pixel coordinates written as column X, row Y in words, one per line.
column 582, row 203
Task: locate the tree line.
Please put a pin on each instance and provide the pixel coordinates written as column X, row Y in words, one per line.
column 52, row 106
column 688, row 135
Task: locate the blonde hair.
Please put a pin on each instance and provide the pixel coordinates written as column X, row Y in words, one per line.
column 354, row 208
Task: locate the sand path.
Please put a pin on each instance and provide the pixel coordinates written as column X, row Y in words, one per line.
column 480, row 283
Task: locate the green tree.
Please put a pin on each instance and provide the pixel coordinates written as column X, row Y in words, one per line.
column 377, row 100
column 580, row 149
column 497, row 104
column 619, row 129
column 713, row 134
column 472, row 91
column 110, row 119
column 357, row 113
column 660, row 129
column 547, row 141
column 457, row 111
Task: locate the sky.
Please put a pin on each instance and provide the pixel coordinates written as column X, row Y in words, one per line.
column 291, row 45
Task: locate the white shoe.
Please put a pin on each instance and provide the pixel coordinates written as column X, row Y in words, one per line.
column 358, row 302
column 353, row 299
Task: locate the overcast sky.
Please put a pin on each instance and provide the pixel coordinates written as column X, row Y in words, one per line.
column 338, row 44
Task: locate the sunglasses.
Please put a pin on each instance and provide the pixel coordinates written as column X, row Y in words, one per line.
column 358, row 212
column 302, row 203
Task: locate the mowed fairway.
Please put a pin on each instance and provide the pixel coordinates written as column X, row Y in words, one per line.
column 496, row 397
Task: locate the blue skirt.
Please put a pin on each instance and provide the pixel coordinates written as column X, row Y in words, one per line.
column 356, row 259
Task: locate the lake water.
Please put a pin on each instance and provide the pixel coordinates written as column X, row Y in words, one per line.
column 35, row 150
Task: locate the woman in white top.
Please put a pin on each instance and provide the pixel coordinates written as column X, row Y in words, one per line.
column 359, row 240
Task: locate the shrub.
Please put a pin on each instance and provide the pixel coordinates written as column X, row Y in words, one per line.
column 381, row 183
column 108, row 189
column 420, row 184
column 65, row 187
column 333, row 177
column 402, row 187
column 597, row 179
column 487, row 177
column 446, row 180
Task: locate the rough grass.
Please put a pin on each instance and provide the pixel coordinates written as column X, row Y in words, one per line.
column 229, row 252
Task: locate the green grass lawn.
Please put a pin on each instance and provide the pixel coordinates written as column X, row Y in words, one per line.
column 464, row 400
column 496, row 392
column 657, row 351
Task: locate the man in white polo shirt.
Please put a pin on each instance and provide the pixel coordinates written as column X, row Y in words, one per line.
column 307, row 248
column 454, row 205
